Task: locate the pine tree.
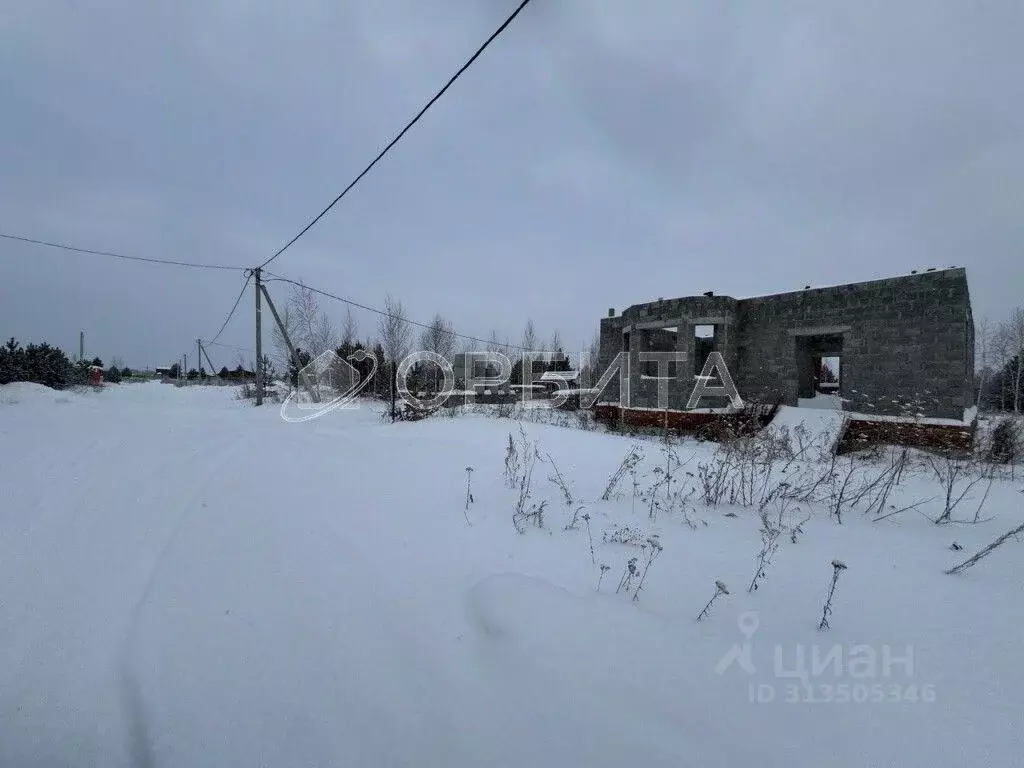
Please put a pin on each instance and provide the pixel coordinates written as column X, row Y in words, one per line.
column 293, row 369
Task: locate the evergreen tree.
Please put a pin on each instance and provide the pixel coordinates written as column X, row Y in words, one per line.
column 12, row 360
column 224, row 373
column 38, row 363
column 293, row 369
column 113, row 375
column 97, row 362
column 126, row 372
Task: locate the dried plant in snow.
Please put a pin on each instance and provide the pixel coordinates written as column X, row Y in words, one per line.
column 837, row 567
column 720, row 589
column 528, row 455
column 604, row 570
column 957, row 478
column 633, row 457
column 590, row 538
column 973, row 559
column 628, row 574
column 575, row 518
column 559, row 481
column 511, row 463
column 469, row 492
column 771, row 530
column 623, row 534
column 654, row 548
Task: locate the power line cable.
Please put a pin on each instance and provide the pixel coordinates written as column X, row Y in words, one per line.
column 146, row 259
column 231, row 314
column 279, row 279
column 229, row 346
column 398, row 138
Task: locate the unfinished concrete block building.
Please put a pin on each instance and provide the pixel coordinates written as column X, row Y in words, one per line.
column 897, row 346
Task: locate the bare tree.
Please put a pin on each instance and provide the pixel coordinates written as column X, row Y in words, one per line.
column 438, row 337
column 282, row 356
column 529, row 337
column 315, row 332
column 588, row 366
column 1016, row 334
column 982, row 337
column 1000, row 353
column 349, row 328
column 395, row 338
column 556, row 342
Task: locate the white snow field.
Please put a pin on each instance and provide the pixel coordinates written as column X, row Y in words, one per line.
column 186, row 580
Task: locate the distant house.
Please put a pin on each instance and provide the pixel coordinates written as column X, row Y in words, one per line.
column 164, row 370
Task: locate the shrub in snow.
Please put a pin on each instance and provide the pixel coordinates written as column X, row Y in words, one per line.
column 623, row 534
column 837, row 567
column 113, row 375
column 1004, row 445
column 957, row 478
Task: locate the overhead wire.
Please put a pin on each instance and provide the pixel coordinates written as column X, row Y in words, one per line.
column 281, row 279
column 402, row 133
column 126, row 257
column 234, row 308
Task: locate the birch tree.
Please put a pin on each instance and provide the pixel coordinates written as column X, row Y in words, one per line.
column 395, row 339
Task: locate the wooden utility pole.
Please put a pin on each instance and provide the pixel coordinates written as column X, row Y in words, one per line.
column 213, row 371
column 199, row 358
column 81, row 345
column 314, row 396
column 257, row 273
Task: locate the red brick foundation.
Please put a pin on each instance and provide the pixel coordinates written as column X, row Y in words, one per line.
column 863, row 433
column 704, row 425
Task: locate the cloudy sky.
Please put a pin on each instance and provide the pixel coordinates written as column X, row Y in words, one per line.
column 601, row 153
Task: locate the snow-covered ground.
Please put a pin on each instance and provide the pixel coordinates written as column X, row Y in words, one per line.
column 190, row 581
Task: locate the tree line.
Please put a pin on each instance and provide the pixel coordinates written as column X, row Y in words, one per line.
column 312, row 333
column 47, row 365
column 999, row 352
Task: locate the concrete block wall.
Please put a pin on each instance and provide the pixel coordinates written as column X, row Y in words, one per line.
column 907, row 342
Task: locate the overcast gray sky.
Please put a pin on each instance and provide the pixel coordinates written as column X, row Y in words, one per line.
column 599, row 154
